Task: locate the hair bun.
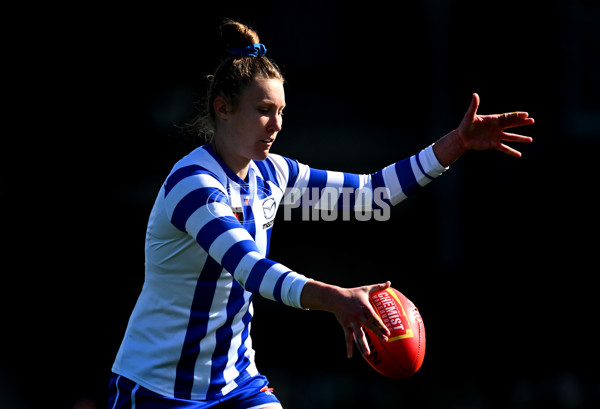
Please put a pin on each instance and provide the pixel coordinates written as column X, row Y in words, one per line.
column 233, row 74
column 237, row 35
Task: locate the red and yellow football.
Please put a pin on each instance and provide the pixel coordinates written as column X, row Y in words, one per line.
column 403, row 354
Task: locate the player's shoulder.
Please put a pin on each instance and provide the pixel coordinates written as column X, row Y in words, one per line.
column 278, row 169
column 277, row 162
column 201, row 163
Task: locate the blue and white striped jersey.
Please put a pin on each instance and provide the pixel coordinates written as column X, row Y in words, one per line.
column 206, row 254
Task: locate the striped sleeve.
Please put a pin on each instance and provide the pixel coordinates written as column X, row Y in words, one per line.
column 409, row 175
column 197, row 203
column 325, row 189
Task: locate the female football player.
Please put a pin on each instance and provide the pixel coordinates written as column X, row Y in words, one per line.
column 188, row 344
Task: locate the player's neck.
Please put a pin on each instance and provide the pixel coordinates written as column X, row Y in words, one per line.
column 237, row 164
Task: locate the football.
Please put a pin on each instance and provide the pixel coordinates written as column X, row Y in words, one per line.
column 403, row 354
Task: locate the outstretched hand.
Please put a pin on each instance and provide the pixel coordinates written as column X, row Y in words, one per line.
column 485, row 132
column 482, row 132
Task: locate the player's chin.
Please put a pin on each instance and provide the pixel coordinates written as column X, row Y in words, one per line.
column 262, row 152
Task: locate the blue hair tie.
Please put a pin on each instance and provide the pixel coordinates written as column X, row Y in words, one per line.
column 253, row 50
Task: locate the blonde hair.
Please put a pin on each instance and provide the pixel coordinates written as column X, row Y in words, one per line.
column 232, row 75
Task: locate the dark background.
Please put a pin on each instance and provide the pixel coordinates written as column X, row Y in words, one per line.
column 499, row 254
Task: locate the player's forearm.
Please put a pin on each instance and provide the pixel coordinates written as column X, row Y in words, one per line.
column 449, row 148
column 320, row 296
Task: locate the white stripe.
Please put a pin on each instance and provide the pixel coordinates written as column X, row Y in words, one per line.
column 117, row 397
column 430, row 163
column 364, row 180
column 422, row 180
column 237, row 327
column 303, row 177
column 235, row 197
column 205, row 214
column 133, row 391
column 243, row 269
column 202, row 368
column 187, row 185
column 393, row 184
column 229, row 387
column 335, row 179
column 198, row 219
column 282, row 170
column 329, row 195
column 203, row 157
column 291, row 290
column 223, row 243
column 270, row 279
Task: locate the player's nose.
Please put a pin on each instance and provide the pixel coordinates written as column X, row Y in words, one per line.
column 275, row 123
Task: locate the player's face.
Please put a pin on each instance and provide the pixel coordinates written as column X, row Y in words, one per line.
column 256, row 120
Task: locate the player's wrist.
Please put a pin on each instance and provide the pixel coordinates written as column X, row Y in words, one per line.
column 449, row 148
column 320, row 296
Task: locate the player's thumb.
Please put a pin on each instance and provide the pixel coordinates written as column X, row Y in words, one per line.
column 472, row 111
column 380, row 287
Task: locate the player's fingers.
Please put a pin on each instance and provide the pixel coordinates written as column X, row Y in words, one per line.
column 361, row 341
column 503, row 120
column 374, row 322
column 514, row 119
column 377, row 327
column 513, row 137
column 349, row 342
column 508, row 150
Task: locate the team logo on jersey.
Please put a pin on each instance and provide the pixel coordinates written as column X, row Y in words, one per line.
column 269, row 207
column 240, row 204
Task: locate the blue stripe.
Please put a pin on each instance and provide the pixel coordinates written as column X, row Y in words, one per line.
column 278, row 286
column 257, row 274
column 267, row 170
column 233, row 256
column 249, row 224
column 318, row 178
column 347, row 197
column 213, row 229
column 407, row 179
column 269, row 230
column 196, row 329
column 123, row 393
column 224, row 336
column 294, row 170
column 377, row 181
column 351, row 180
column 421, row 166
column 243, row 362
column 193, row 201
column 182, row 173
column 316, row 182
column 263, row 189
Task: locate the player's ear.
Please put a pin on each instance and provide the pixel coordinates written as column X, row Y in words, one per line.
column 221, row 107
